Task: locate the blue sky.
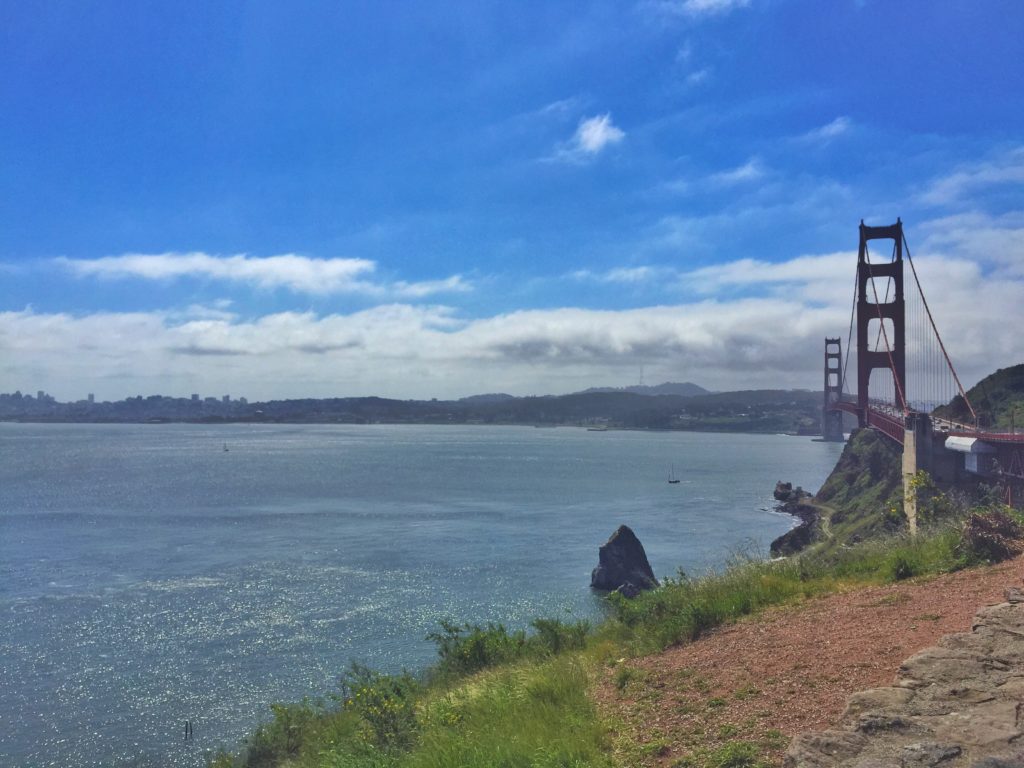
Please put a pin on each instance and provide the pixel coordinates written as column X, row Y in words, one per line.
column 439, row 199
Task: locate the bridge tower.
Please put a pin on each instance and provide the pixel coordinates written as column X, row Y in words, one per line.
column 871, row 305
column 832, row 419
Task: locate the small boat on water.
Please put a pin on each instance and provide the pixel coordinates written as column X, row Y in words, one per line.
column 225, row 447
column 672, row 479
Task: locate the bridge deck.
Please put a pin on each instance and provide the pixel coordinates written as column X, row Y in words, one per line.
column 892, row 425
column 889, row 425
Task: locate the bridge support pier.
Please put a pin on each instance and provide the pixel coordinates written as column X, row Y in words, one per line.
column 917, row 455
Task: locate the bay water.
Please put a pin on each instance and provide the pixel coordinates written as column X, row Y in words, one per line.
column 156, row 574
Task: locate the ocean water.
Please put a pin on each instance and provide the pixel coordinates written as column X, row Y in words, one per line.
column 148, row 576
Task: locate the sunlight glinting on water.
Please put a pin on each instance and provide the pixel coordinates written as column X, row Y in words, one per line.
column 149, row 577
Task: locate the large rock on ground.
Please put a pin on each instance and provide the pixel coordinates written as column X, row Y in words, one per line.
column 622, row 564
column 959, row 704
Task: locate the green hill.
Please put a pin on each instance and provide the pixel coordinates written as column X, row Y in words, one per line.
column 996, row 399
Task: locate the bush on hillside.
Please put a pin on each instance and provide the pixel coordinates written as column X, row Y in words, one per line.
column 991, row 537
column 467, row 648
column 385, row 703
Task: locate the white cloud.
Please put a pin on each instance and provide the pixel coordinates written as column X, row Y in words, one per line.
column 596, row 133
column 424, row 288
column 994, row 241
column 301, row 274
column 699, row 76
column 825, row 133
column 698, row 8
column 749, row 171
column 561, row 107
column 760, row 324
column 753, row 272
column 704, row 7
column 1006, row 169
column 593, row 135
column 748, row 322
column 623, row 275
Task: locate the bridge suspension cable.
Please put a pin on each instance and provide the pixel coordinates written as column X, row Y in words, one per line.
column 934, row 360
column 849, row 336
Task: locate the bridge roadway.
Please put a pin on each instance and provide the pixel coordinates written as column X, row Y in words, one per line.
column 891, row 423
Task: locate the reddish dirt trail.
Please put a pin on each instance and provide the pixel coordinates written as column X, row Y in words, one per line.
column 789, row 669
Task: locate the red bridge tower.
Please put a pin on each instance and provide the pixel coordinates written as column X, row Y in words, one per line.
column 872, row 306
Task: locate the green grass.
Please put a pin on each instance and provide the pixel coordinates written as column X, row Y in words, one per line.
column 526, row 714
column 533, row 714
column 506, row 698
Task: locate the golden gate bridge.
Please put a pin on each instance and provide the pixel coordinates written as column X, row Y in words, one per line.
column 904, row 372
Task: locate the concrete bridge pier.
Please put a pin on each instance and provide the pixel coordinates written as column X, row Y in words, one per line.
column 918, row 450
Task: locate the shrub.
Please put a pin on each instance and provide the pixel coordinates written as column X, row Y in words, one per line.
column 283, row 737
column 467, row 648
column 555, row 636
column 386, row 704
column 991, row 537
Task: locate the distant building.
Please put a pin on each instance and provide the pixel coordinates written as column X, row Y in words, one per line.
column 243, row 401
column 91, row 397
column 226, row 399
column 195, row 398
column 40, row 395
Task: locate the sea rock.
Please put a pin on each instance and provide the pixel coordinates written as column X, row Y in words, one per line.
column 621, row 562
column 787, row 494
column 782, row 491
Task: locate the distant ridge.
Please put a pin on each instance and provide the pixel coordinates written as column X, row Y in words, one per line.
column 490, row 397
column 682, row 389
column 792, row 411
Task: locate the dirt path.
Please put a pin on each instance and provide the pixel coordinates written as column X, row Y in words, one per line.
column 787, row 670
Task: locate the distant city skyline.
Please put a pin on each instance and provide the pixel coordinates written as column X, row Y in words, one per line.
column 441, row 201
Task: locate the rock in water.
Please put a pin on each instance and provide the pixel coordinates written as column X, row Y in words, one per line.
column 782, row 490
column 622, row 561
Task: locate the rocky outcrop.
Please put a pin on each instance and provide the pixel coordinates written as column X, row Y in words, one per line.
column 785, row 492
column 622, row 565
column 796, row 502
column 799, row 538
column 959, row 704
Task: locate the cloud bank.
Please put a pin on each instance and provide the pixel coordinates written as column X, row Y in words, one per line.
column 747, row 323
column 300, row 274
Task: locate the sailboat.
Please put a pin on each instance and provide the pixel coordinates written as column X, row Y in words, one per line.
column 672, row 475
column 225, row 447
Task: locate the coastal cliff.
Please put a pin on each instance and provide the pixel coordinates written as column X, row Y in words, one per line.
column 860, row 500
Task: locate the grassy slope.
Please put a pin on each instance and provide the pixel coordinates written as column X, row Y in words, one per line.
column 863, row 496
column 995, row 398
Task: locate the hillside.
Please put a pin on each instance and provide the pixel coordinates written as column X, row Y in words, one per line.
column 686, row 389
column 861, row 499
column 863, row 495
column 996, row 398
column 748, row 411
